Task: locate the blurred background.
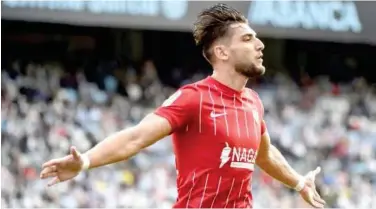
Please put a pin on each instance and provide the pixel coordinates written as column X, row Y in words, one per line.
column 73, row 72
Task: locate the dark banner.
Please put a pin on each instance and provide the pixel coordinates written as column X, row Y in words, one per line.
column 340, row 21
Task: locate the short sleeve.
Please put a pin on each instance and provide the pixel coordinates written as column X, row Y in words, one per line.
column 179, row 107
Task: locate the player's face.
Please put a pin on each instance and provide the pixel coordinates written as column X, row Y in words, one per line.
column 246, row 51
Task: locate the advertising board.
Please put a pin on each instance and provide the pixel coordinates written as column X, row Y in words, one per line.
column 339, row 21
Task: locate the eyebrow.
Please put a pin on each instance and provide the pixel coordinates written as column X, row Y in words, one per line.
column 249, row 35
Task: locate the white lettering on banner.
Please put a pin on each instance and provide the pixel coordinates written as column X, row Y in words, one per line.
column 52, row 5
column 241, row 157
column 172, row 10
column 336, row 16
column 146, row 8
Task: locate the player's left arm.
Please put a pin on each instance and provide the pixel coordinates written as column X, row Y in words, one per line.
column 273, row 163
column 270, row 159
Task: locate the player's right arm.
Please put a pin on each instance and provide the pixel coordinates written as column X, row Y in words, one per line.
column 128, row 142
column 172, row 115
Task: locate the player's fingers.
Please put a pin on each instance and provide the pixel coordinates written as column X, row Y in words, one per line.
column 48, row 175
column 316, row 194
column 316, row 171
column 317, row 198
column 309, row 175
column 75, row 153
column 50, row 163
column 310, row 198
column 312, row 174
column 317, row 204
column 313, row 202
column 48, row 170
column 54, row 181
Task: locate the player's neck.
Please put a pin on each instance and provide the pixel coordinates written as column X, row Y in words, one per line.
column 230, row 79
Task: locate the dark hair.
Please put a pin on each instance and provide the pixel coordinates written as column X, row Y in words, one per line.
column 213, row 23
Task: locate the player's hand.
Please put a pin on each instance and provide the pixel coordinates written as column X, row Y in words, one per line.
column 62, row 169
column 309, row 193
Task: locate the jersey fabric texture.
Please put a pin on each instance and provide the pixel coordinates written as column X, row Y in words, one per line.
column 216, row 133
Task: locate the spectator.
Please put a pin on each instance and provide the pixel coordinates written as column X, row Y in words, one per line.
column 336, row 131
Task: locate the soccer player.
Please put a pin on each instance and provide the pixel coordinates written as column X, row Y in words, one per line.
column 217, row 126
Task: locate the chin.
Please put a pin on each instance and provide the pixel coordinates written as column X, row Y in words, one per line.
column 256, row 72
column 261, row 70
column 252, row 71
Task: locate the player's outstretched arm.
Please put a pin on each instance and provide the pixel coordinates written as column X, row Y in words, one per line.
column 273, row 163
column 117, row 147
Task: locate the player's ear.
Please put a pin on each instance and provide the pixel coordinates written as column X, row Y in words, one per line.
column 220, row 52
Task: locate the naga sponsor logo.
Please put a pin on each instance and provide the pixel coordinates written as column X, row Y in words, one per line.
column 337, row 16
column 239, row 157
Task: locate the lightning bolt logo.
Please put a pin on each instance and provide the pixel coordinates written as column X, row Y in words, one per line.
column 225, row 155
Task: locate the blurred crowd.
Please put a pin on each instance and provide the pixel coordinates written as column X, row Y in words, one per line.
column 45, row 110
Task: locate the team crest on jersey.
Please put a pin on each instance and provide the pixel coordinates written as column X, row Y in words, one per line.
column 172, row 98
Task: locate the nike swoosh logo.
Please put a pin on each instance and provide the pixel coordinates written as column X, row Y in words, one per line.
column 215, row 115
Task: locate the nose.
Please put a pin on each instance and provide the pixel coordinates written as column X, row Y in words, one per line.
column 260, row 45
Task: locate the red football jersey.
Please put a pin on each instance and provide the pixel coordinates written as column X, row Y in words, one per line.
column 216, row 133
